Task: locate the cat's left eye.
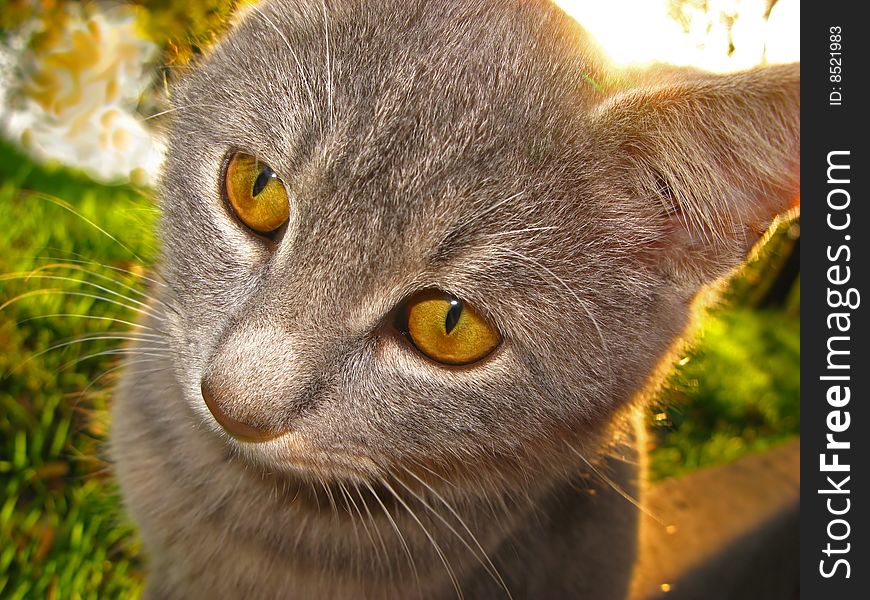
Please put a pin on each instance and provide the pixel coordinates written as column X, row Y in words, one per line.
column 448, row 330
column 255, row 193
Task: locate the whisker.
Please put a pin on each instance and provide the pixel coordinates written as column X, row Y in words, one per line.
column 350, row 513
column 478, row 216
column 328, row 65
column 177, row 108
column 125, row 365
column 27, row 276
column 299, row 68
column 81, row 261
column 616, row 487
column 126, row 337
column 397, row 530
column 526, row 230
column 146, row 351
column 64, row 292
column 349, row 497
column 429, row 536
column 84, row 260
column 67, row 206
column 81, row 269
column 329, row 497
column 496, row 511
column 385, row 553
column 434, row 473
column 91, row 318
column 580, row 301
column 485, row 562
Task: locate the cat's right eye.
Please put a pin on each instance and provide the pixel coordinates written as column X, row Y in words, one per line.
column 255, row 193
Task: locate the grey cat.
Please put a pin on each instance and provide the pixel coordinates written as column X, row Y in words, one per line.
column 419, row 258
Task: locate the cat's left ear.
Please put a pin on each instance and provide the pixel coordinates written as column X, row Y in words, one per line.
column 720, row 156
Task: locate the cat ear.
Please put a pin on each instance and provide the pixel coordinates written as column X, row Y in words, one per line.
column 719, row 155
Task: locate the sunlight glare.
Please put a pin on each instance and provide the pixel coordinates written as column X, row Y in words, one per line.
column 641, row 32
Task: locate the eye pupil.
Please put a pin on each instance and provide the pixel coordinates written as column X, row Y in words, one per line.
column 453, row 314
column 263, row 179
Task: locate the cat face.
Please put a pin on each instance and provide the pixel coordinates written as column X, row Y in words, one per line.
column 333, row 169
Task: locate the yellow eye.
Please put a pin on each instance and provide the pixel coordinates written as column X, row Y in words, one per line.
column 449, row 331
column 256, row 194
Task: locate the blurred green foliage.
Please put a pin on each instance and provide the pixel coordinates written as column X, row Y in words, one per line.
column 737, row 388
column 185, row 29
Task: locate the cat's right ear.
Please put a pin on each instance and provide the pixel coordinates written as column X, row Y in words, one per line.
column 718, row 154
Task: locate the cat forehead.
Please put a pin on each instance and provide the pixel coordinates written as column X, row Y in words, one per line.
column 402, row 136
column 498, row 60
column 399, row 91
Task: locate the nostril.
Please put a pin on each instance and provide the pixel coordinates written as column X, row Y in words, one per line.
column 240, row 430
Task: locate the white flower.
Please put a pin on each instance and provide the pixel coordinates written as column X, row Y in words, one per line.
column 81, row 80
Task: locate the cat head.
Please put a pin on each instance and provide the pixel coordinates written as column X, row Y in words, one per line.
column 456, row 239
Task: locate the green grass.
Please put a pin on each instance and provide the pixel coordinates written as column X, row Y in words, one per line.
column 62, row 530
column 62, row 527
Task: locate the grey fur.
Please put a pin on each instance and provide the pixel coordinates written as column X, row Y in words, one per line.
column 480, row 147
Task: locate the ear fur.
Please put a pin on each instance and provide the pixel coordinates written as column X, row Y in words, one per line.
column 720, row 154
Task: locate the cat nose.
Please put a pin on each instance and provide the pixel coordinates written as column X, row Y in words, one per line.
column 238, row 427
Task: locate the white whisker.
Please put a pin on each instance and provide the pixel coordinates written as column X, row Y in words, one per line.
column 68, row 207
column 397, row 530
column 584, row 304
column 124, row 365
column 300, row 70
column 431, row 539
column 178, row 108
column 385, row 554
column 61, row 261
column 485, row 561
column 616, row 487
column 26, row 276
column 61, row 292
column 90, row 318
column 328, row 65
column 146, row 351
column 526, row 230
